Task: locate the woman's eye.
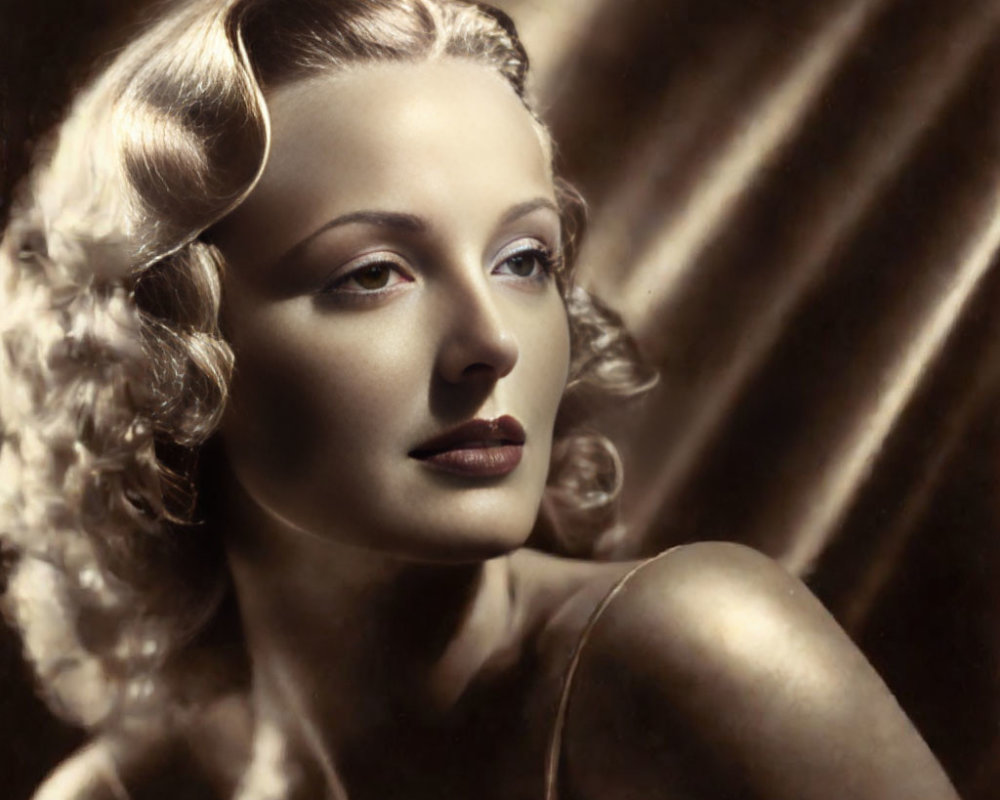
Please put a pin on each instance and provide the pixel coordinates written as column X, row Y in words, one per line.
column 535, row 262
column 373, row 277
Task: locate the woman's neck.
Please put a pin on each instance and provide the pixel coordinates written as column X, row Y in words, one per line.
column 346, row 643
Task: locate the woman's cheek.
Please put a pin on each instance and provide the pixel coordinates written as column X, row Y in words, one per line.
column 554, row 359
column 276, row 418
column 309, row 392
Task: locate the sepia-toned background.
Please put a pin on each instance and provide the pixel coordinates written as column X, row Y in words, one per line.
column 796, row 208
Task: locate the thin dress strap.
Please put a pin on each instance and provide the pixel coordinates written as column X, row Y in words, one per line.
column 554, row 758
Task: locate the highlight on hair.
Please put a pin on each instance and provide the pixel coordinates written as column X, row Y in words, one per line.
column 113, row 370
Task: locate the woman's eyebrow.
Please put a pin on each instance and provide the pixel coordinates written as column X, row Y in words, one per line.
column 523, row 209
column 384, row 219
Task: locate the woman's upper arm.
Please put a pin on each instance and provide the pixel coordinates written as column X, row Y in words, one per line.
column 715, row 674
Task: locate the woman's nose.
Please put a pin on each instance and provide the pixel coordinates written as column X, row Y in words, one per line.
column 477, row 344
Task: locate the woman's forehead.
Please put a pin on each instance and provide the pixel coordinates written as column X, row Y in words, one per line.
column 426, row 138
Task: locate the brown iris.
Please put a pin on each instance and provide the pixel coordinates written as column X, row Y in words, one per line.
column 375, row 276
column 522, row 264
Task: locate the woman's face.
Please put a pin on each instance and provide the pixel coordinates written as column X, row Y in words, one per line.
column 387, row 283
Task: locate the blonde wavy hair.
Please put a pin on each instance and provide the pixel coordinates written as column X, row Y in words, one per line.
column 114, row 371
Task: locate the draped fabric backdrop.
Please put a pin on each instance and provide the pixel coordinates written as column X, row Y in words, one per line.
column 796, row 208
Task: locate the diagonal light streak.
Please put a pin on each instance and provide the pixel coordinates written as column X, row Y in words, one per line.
column 879, row 165
column 881, row 566
column 826, row 504
column 676, row 249
column 683, row 119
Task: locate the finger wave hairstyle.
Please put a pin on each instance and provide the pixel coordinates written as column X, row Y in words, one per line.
column 114, row 371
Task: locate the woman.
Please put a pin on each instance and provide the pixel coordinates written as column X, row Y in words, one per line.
column 353, row 203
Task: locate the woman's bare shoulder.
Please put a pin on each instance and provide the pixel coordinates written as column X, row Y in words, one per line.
column 714, row 673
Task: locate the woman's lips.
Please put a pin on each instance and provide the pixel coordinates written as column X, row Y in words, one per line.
column 479, row 448
column 490, row 461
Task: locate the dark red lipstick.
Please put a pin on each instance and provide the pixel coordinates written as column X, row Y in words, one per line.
column 480, row 448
